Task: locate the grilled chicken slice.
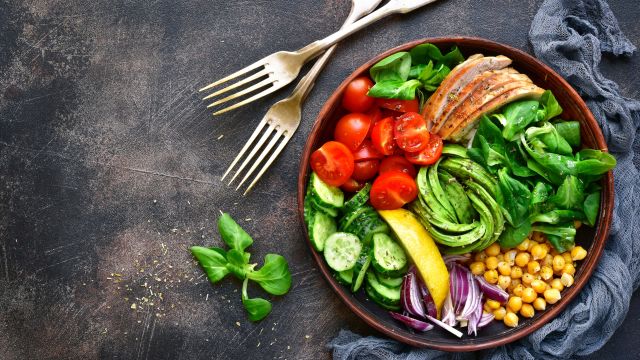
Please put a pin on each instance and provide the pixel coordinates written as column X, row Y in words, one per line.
column 486, row 80
column 458, row 78
column 526, row 90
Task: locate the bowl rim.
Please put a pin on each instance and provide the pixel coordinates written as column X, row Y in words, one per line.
column 582, row 275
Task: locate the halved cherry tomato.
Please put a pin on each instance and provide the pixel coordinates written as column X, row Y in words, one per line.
column 392, row 190
column 428, row 155
column 366, row 151
column 382, row 136
column 410, row 132
column 399, row 105
column 355, row 97
column 376, row 115
column 352, row 186
column 352, row 129
column 333, row 163
column 365, row 170
column 397, row 163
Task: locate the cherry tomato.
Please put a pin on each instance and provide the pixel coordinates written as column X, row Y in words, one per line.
column 352, row 129
column 355, row 97
column 410, row 132
column 382, row 136
column 333, row 163
column 365, row 170
column 376, row 115
column 392, row 190
column 352, row 186
column 399, row 105
column 366, row 151
column 428, row 155
column 397, row 163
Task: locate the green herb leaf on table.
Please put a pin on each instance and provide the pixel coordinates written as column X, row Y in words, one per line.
column 274, row 277
column 213, row 261
column 257, row 308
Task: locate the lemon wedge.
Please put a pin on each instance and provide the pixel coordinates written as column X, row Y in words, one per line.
column 422, row 250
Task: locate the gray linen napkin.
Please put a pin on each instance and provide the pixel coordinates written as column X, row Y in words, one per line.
column 570, row 36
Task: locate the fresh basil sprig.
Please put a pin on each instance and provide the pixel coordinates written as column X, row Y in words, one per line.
column 274, row 276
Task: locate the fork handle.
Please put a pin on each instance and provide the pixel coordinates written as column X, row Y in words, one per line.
column 392, row 7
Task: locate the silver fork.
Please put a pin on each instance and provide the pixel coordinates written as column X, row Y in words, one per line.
column 279, row 69
column 283, row 118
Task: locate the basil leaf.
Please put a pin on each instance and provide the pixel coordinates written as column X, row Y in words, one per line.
column 561, row 236
column 550, row 105
column 237, row 264
column 594, row 162
column 516, row 199
column 516, row 116
column 557, row 216
column 415, row 71
column 570, row 131
column 257, row 308
column 431, row 78
column 423, row 53
column 591, row 208
column 274, row 276
column 213, row 262
column 394, row 67
column 232, row 234
column 570, row 194
column 512, row 236
column 550, row 138
column 403, row 90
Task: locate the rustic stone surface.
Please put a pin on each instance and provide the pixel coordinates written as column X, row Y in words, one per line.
column 110, row 168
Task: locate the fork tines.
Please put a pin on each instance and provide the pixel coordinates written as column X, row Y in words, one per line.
column 272, row 131
column 259, row 77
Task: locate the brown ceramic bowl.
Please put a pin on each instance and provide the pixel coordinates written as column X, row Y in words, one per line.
column 592, row 239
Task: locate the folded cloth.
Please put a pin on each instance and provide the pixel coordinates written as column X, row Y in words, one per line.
column 570, row 36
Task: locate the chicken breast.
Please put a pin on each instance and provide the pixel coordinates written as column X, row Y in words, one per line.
column 486, row 80
column 457, row 79
column 523, row 92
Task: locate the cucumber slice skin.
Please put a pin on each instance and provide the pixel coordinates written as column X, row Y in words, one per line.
column 308, row 211
column 349, row 217
column 388, row 256
column 329, row 211
column 366, row 224
column 358, row 200
column 360, row 270
column 383, row 295
column 321, row 226
column 342, row 250
column 344, row 277
column 390, row 281
column 326, row 196
column 373, row 295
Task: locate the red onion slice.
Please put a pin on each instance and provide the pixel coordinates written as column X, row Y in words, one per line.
column 491, row 291
column 411, row 322
column 411, row 296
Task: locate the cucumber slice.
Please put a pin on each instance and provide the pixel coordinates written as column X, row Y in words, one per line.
column 327, row 210
column 360, row 270
column 358, row 200
column 392, row 282
column 344, row 277
column 366, row 224
column 308, row 211
column 388, row 257
column 326, row 196
column 342, row 250
column 321, row 226
column 387, row 297
column 348, row 218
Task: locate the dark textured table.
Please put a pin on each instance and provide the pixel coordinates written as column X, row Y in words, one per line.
column 110, row 168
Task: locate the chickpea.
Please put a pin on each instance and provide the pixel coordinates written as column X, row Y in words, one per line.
column 546, row 272
column 511, row 319
column 528, row 295
column 527, row 311
column 538, row 286
column 499, row 313
column 533, row 267
column 524, row 245
column 493, row 249
column 514, row 303
column 491, row 263
column 539, row 304
column 477, row 268
column 547, row 261
column 504, row 268
column 556, row 284
column 538, row 251
column 500, row 257
column 552, row 296
column 567, row 257
column 517, row 291
column 538, row 236
column 493, row 305
column 569, row 269
column 516, row 272
column 510, row 257
column 566, row 280
column 522, row 259
column 491, row 276
column 504, row 281
column 578, row 253
column 481, row 256
column 527, row 279
column 577, row 224
column 558, row 263
column 513, row 284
